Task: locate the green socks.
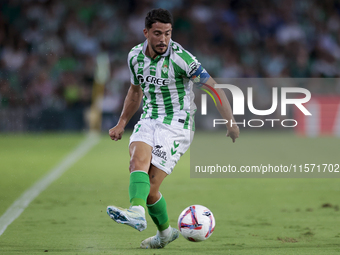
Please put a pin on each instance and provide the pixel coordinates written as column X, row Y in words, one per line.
column 139, row 188
column 159, row 215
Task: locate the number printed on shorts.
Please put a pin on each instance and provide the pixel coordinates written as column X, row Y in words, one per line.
column 137, row 128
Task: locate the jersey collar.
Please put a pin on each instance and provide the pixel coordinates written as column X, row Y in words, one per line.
column 167, row 53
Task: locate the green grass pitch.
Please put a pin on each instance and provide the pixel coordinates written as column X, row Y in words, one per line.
column 253, row 215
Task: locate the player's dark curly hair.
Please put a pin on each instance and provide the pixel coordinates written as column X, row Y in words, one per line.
column 160, row 15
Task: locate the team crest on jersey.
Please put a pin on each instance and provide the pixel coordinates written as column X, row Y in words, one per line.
column 165, row 69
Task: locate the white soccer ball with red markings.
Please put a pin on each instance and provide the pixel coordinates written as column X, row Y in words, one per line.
column 196, row 223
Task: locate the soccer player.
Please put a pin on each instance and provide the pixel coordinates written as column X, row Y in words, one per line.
column 162, row 74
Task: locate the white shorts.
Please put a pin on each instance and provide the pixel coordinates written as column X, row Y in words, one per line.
column 168, row 143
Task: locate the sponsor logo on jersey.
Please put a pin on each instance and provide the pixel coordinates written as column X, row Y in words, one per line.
column 153, row 80
column 140, row 78
column 157, row 151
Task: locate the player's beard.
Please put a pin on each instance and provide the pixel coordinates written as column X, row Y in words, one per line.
column 158, row 52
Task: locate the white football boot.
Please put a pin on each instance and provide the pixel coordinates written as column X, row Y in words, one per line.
column 157, row 241
column 131, row 217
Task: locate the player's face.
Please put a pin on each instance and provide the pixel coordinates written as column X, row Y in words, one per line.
column 158, row 37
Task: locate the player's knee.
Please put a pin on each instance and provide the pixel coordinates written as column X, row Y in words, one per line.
column 138, row 164
column 133, row 165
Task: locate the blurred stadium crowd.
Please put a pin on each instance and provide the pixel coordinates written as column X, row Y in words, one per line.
column 48, row 49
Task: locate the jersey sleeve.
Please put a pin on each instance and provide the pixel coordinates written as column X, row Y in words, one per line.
column 132, row 62
column 189, row 66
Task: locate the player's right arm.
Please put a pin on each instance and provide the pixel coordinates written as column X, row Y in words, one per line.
column 131, row 104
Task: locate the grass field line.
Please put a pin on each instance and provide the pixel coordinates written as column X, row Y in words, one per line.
column 14, row 211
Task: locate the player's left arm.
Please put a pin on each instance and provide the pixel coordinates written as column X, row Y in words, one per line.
column 201, row 78
column 224, row 109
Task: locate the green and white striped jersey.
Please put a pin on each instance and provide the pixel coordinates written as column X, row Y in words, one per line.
column 166, row 84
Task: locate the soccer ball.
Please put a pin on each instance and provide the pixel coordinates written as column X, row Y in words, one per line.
column 196, row 223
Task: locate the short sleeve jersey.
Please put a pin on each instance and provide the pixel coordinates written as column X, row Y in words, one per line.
column 166, row 84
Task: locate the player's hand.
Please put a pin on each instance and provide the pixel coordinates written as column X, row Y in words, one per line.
column 233, row 132
column 116, row 132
